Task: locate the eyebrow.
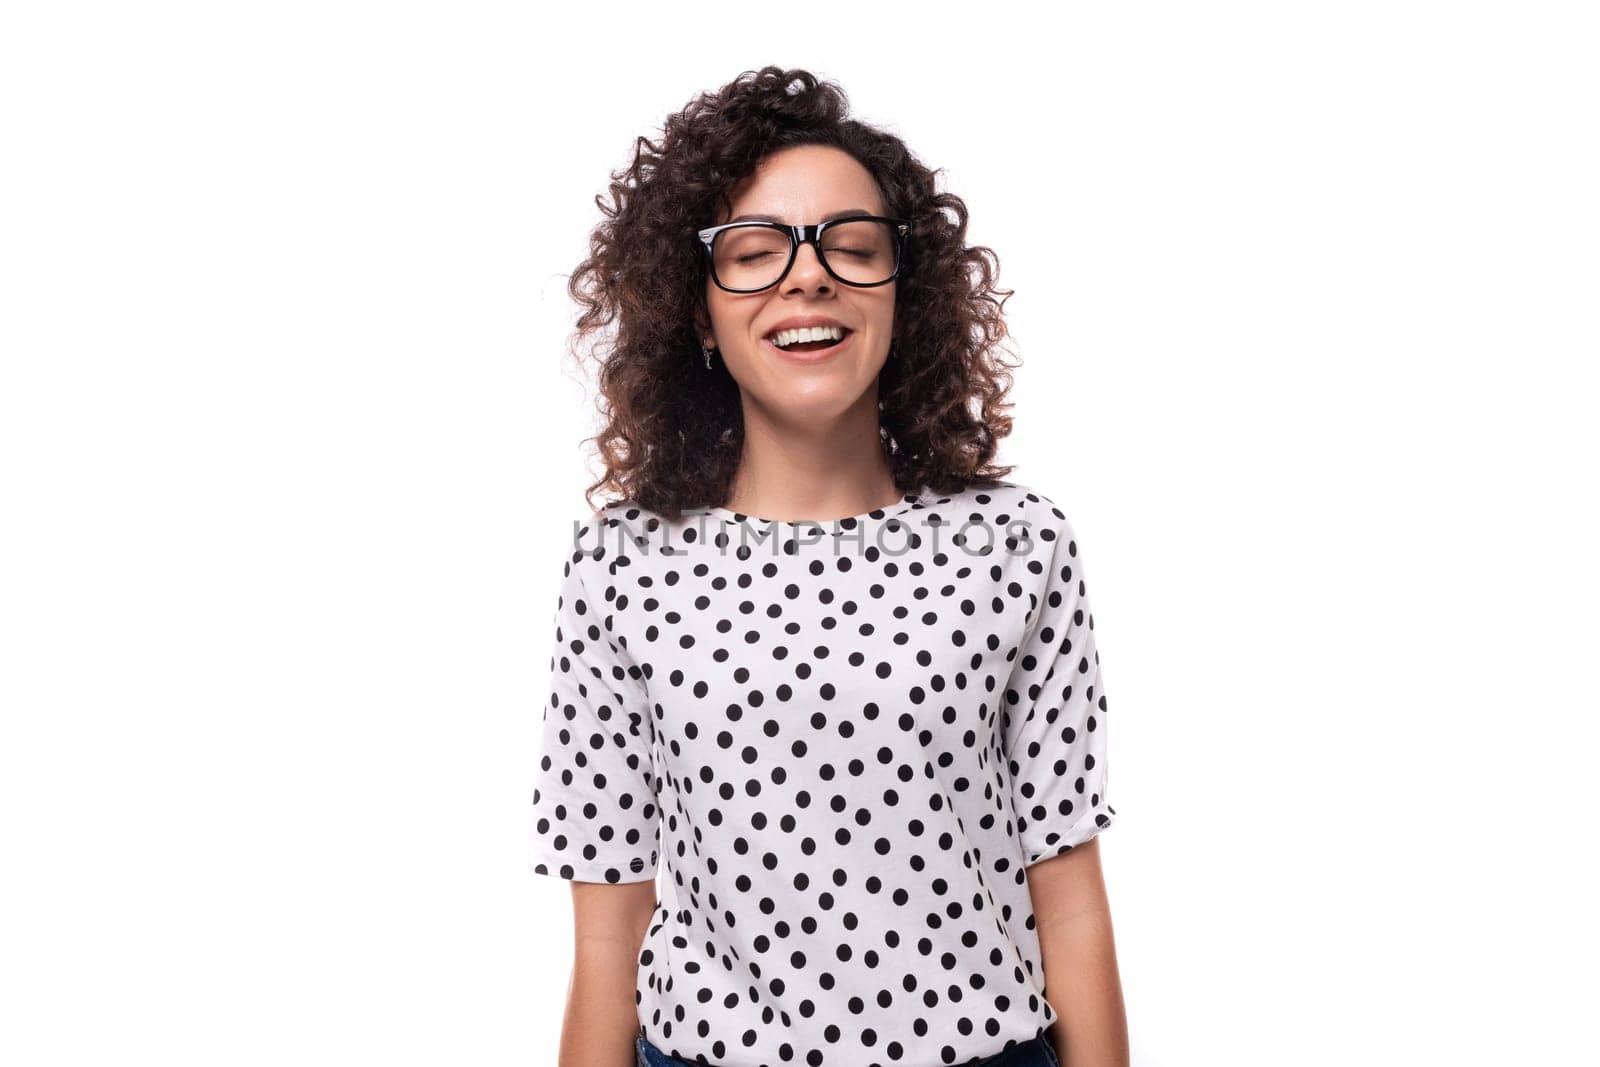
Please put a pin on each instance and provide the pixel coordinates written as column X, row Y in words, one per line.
column 829, row 217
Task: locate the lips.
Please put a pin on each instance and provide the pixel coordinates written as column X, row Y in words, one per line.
column 809, row 357
column 801, row 322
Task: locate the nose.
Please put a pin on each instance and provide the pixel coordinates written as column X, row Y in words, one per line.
column 807, row 269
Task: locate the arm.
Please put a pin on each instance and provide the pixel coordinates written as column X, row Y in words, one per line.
column 595, row 821
column 1080, row 959
column 601, row 1020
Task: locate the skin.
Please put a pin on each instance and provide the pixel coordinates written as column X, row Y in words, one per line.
column 812, row 452
column 1079, row 954
column 811, row 447
column 601, row 1019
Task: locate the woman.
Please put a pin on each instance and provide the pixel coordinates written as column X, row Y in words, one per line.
column 819, row 639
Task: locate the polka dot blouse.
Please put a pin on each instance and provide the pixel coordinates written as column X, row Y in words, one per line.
column 846, row 740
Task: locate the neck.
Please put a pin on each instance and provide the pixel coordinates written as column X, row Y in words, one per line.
column 799, row 469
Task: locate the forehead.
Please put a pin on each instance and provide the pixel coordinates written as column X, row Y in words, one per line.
column 805, row 185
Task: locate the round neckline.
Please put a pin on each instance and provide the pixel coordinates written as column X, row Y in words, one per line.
column 902, row 504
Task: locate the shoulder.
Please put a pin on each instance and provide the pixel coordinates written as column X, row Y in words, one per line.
column 597, row 539
column 1021, row 500
column 1042, row 514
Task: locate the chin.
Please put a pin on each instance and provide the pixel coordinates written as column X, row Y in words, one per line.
column 819, row 401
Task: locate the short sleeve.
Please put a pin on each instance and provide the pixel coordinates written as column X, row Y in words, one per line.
column 1055, row 722
column 595, row 815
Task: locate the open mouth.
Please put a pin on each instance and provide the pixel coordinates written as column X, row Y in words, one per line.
column 808, row 349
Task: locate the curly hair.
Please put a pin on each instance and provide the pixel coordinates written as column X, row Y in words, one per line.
column 673, row 430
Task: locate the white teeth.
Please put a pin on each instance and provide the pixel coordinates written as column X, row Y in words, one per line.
column 785, row 338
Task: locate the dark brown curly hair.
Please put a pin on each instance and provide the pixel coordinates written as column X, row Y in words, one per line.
column 674, row 430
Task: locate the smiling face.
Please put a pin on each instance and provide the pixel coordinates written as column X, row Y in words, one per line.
column 804, row 184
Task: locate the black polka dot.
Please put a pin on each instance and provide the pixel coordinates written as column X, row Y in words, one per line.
column 847, row 742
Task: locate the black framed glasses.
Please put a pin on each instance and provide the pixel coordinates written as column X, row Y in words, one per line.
column 859, row 250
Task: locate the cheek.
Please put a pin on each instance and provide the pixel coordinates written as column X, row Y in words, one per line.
column 884, row 310
column 731, row 318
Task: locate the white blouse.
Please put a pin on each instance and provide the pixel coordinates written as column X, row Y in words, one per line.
column 848, row 739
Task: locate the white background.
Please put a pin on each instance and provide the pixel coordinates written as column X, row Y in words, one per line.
column 1306, row 295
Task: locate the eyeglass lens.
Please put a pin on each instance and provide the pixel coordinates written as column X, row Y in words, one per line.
column 751, row 257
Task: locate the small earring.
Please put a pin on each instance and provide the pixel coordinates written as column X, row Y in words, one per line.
column 708, row 352
column 891, row 349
